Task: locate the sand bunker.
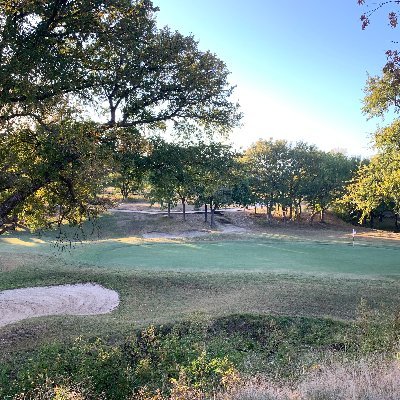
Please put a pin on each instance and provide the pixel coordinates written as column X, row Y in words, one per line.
column 80, row 299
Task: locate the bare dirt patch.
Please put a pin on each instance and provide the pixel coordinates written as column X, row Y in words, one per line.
column 81, row 299
column 151, row 222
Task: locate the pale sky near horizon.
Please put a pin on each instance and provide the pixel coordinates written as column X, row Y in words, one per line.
column 300, row 67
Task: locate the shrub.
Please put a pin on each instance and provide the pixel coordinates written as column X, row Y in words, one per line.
column 66, row 391
column 198, row 358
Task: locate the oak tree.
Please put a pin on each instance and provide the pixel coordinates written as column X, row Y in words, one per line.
column 76, row 74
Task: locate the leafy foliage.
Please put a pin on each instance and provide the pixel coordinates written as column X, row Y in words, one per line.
column 172, row 172
column 105, row 69
column 373, row 8
column 283, row 175
column 202, row 172
column 195, row 359
column 131, row 160
column 375, row 186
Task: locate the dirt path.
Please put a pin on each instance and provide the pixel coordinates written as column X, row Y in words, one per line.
column 81, row 299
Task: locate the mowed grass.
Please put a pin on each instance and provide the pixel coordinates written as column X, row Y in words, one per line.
column 245, row 254
column 163, row 281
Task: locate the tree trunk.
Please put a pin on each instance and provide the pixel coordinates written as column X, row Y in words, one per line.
column 124, row 191
column 291, row 212
column 255, row 209
column 11, row 202
column 312, row 216
column 113, row 110
column 299, row 208
column 364, row 221
column 322, row 215
column 371, row 220
column 270, row 206
column 205, row 213
column 184, row 209
column 269, row 213
column 212, row 223
column 169, row 209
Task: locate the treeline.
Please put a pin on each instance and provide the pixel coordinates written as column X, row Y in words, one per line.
column 283, row 176
column 277, row 174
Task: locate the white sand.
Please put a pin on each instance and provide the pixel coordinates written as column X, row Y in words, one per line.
column 81, row 299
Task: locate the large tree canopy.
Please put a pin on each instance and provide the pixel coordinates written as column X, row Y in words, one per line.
column 107, row 52
column 376, row 185
column 76, row 74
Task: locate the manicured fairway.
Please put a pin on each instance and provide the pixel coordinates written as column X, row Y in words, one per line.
column 247, row 255
column 250, row 254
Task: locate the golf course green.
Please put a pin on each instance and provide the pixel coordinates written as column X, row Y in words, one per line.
column 249, row 254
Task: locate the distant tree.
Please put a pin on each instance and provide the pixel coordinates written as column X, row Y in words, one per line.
column 328, row 175
column 300, row 163
column 284, row 175
column 364, row 192
column 241, row 191
column 267, row 166
column 173, row 173
column 131, row 163
column 217, row 169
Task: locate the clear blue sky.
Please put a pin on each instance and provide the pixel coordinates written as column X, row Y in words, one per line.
column 300, row 67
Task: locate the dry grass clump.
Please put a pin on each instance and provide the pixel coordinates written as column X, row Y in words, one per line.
column 360, row 381
column 364, row 380
column 50, row 391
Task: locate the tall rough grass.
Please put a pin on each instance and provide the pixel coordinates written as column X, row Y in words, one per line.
column 362, row 380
